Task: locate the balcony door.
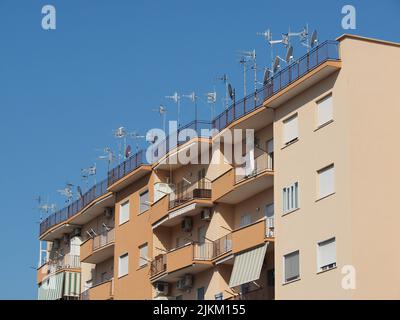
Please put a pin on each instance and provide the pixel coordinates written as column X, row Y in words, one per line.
column 269, row 219
column 201, row 238
column 201, row 179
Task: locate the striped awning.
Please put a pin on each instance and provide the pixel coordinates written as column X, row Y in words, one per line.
column 247, row 266
column 51, row 287
column 72, row 284
column 59, row 285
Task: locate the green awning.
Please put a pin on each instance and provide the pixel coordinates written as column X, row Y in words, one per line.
column 51, row 287
column 247, row 266
column 72, row 284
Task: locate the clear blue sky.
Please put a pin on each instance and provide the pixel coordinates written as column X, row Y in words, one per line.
column 108, row 64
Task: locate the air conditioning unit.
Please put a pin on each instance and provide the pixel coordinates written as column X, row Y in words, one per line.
column 180, row 284
column 161, row 288
column 76, row 232
column 205, row 215
column 108, row 212
column 186, row 224
column 188, row 280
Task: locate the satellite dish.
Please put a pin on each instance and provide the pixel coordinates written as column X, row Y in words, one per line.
column 128, row 151
column 267, row 75
column 231, row 92
column 289, row 55
column 314, row 39
column 276, row 64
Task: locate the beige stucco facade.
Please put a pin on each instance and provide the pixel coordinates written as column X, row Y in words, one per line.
column 227, row 213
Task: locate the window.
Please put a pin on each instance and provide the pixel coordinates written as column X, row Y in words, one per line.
column 324, row 110
column 219, row 296
column 270, row 153
column 124, row 212
column 326, row 254
column 200, row 293
column 290, row 198
column 144, row 201
column 245, row 220
column 123, row 265
column 291, row 265
column 326, row 183
column 143, row 250
column 290, row 130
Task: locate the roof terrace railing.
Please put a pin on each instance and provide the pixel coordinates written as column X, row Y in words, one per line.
column 126, row 167
column 172, row 141
column 328, row 50
column 64, row 214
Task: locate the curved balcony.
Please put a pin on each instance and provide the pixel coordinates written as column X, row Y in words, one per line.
column 98, row 249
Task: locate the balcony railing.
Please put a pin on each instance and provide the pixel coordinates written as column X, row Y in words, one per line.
column 126, row 167
column 102, row 290
column 158, row 265
column 222, row 245
column 64, row 214
column 103, row 239
column 328, row 50
column 203, row 251
column 173, row 141
column 67, row 261
column 261, row 163
column 198, row 190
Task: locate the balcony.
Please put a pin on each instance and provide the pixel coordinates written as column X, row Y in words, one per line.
column 93, row 194
column 262, row 163
column 187, row 193
column 252, row 235
column 64, row 262
column 197, row 255
column 266, row 293
column 240, row 183
column 99, row 248
column 101, row 291
column 174, row 264
column 298, row 70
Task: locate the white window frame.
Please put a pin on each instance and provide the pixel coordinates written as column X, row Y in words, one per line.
column 290, row 198
column 295, row 136
column 143, row 256
column 326, row 266
column 326, row 101
column 124, row 206
column 284, row 267
column 121, row 271
column 331, row 168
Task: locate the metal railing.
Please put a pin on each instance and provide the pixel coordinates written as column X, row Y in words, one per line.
column 174, row 140
column 158, row 265
column 196, row 190
column 261, row 164
column 269, row 227
column 328, row 50
column 68, row 261
column 64, row 214
column 203, row 251
column 222, row 245
column 126, row 167
column 103, row 239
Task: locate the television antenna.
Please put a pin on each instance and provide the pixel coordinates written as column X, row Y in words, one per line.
column 212, row 99
column 67, row 192
column 162, row 111
column 108, row 155
column 192, row 97
column 176, row 98
column 120, row 134
column 224, row 79
column 251, row 56
column 87, row 172
column 136, row 136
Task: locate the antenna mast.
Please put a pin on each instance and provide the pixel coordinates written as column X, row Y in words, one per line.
column 176, row 98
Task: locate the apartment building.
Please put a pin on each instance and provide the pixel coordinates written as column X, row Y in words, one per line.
column 302, row 221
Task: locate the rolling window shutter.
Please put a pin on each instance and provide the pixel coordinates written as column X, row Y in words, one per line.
column 290, row 129
column 325, row 110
